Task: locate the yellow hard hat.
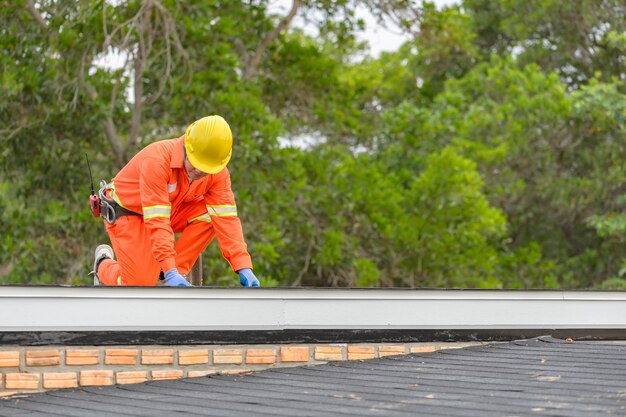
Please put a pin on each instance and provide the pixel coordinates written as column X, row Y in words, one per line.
column 209, row 144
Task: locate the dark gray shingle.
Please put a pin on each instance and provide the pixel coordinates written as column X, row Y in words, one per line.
column 542, row 376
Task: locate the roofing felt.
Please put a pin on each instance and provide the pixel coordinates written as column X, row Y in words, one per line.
column 536, row 377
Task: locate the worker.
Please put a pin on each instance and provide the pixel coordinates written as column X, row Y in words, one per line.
column 172, row 186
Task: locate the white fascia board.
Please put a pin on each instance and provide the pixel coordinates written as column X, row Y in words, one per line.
column 24, row 308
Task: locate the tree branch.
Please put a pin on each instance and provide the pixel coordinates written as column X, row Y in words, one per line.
column 138, row 104
column 138, row 78
column 122, row 37
column 307, row 261
column 111, row 134
column 35, row 14
column 109, row 126
column 254, row 62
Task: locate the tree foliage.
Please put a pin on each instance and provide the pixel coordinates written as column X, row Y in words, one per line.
column 486, row 151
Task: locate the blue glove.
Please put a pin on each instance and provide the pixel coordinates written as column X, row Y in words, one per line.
column 174, row 279
column 247, row 278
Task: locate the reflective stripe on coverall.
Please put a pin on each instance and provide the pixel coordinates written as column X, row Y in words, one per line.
column 154, row 183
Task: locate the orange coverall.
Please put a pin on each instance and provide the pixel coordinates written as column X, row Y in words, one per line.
column 155, row 184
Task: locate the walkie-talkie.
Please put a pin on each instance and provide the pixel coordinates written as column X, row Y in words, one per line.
column 94, row 200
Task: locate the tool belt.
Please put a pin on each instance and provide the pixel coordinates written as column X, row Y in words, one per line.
column 110, row 209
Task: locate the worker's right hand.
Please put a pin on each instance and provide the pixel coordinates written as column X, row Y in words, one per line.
column 247, row 278
column 173, row 278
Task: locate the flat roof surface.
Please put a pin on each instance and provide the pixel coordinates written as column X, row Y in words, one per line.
column 535, row 377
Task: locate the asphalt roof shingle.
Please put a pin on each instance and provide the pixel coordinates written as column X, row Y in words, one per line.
column 542, row 376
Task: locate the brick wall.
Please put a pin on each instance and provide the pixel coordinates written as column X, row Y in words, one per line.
column 32, row 369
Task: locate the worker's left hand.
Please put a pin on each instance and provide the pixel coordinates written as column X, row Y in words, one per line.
column 247, row 278
column 174, row 279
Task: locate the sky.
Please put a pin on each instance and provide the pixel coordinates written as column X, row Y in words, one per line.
column 379, row 38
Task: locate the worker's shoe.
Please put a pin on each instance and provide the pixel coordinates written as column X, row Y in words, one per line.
column 102, row 252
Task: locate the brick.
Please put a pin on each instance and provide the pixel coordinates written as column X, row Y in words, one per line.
column 167, row 374
column 361, row 352
column 51, row 357
column 261, row 356
column 389, row 350
column 230, row 356
column 425, row 348
column 60, row 380
column 8, row 393
column 328, row 353
column 157, row 356
column 294, row 354
column 9, row 358
column 22, row 381
column 131, row 377
column 205, row 372
column 82, row 356
column 92, row 378
column 193, row 357
column 121, row 356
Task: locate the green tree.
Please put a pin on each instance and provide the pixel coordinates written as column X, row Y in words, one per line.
column 487, row 151
column 575, row 39
column 550, row 159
